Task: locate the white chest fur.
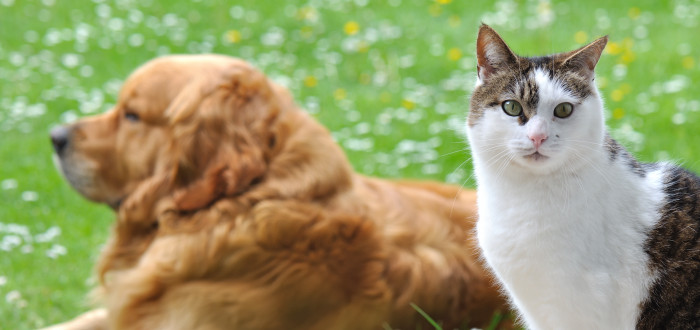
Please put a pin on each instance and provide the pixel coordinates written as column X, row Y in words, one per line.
column 568, row 248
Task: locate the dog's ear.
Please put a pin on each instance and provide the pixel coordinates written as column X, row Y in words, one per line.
column 230, row 173
column 220, row 134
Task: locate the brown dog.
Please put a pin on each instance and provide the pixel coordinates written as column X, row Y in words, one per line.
column 236, row 210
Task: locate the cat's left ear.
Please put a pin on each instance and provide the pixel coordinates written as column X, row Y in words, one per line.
column 585, row 58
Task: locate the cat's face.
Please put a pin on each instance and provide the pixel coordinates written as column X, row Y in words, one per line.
column 534, row 114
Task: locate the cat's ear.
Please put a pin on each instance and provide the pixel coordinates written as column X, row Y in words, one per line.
column 492, row 53
column 585, row 58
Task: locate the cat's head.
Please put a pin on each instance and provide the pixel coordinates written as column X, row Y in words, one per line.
column 538, row 114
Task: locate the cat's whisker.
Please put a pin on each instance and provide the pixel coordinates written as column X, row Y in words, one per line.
column 572, row 176
column 593, row 165
column 505, row 161
column 462, row 164
column 466, row 150
column 597, row 145
column 592, row 147
column 497, row 156
column 459, row 191
column 589, row 143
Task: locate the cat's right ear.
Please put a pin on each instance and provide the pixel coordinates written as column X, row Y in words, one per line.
column 492, row 53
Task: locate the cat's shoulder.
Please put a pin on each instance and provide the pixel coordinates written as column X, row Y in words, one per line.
column 673, row 247
column 682, row 181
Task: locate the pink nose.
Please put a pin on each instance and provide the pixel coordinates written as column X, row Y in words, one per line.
column 538, row 139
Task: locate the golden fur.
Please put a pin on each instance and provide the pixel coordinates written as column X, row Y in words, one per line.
column 237, row 210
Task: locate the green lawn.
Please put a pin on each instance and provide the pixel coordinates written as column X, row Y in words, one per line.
column 390, row 78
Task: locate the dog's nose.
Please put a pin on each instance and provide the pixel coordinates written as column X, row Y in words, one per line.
column 59, row 138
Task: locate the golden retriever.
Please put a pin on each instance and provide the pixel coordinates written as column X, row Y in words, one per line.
column 237, row 210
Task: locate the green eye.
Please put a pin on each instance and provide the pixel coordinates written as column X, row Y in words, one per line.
column 563, row 110
column 512, row 108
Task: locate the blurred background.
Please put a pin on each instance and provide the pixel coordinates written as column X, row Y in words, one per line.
column 390, row 78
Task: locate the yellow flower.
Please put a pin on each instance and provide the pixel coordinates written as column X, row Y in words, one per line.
column 602, row 82
column 617, row 95
column 385, row 97
column 351, row 28
column 307, row 14
column 362, row 46
column 233, row 36
column 613, row 48
column 435, row 10
column 688, row 62
column 454, row 54
column 340, row 94
column 310, row 81
column 365, row 78
column 443, row 2
column 408, row 104
column 627, row 43
column 634, row 12
column 454, row 21
column 628, row 57
column 307, row 31
column 618, row 113
column 625, row 88
column 580, row 37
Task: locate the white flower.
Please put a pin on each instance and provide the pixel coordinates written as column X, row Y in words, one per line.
column 13, row 296
column 49, row 235
column 8, row 184
column 56, row 251
column 30, row 196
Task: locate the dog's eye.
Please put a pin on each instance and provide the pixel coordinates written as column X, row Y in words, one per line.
column 130, row 116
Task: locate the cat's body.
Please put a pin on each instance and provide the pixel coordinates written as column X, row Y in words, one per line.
column 580, row 234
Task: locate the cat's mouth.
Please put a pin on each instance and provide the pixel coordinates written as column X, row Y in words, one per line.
column 536, row 156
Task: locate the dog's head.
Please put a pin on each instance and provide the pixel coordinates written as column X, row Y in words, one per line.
column 195, row 127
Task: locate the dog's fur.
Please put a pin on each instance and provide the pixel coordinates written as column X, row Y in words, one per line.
column 236, row 210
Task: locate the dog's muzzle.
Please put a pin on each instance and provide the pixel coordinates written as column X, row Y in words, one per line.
column 59, row 139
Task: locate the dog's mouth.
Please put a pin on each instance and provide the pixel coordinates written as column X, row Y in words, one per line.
column 80, row 179
column 58, row 164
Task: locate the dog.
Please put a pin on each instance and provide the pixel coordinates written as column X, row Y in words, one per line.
column 237, row 210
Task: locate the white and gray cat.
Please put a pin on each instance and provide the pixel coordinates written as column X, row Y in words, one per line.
column 580, row 234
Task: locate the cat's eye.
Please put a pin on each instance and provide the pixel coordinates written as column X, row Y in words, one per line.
column 512, row 108
column 563, row 110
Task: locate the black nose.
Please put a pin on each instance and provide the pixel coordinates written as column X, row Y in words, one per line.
column 59, row 138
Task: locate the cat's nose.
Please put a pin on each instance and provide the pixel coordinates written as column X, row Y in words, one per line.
column 537, row 139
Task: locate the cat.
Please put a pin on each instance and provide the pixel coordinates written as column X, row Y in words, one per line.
column 580, row 234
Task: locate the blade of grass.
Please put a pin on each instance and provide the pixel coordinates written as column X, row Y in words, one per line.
column 426, row 316
column 497, row 318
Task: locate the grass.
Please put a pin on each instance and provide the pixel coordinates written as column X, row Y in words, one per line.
column 426, row 316
column 391, row 80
